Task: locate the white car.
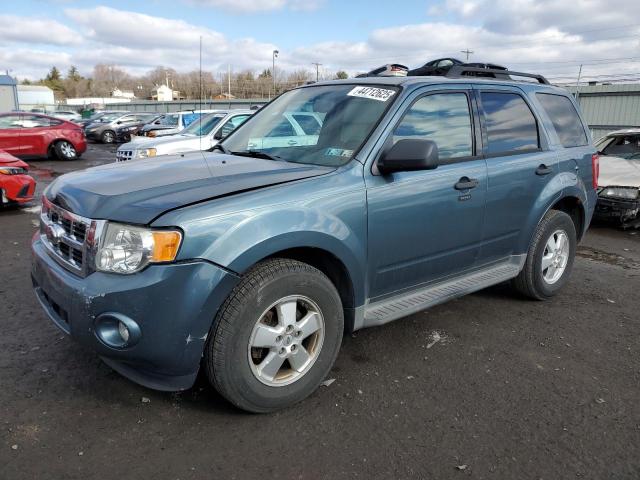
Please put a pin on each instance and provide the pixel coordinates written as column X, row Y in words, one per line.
column 172, row 123
column 619, row 180
column 68, row 115
column 201, row 134
column 297, row 129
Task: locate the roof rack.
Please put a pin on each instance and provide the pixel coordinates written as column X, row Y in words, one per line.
column 458, row 71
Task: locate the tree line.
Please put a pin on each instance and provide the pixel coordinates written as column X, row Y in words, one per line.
column 191, row 85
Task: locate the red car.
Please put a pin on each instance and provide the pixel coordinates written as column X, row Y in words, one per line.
column 15, row 185
column 30, row 135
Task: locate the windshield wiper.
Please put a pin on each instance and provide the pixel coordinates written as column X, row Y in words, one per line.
column 256, row 154
column 223, row 149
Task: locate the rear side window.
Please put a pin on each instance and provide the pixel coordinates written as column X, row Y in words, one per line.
column 511, row 127
column 565, row 119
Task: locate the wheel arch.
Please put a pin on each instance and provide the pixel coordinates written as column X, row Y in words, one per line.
column 574, row 207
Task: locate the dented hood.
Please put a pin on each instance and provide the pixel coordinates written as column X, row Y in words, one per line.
column 619, row 172
column 140, row 191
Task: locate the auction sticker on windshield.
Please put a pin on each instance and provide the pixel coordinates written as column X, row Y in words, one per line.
column 373, row 93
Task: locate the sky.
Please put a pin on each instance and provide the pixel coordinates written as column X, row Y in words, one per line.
column 553, row 37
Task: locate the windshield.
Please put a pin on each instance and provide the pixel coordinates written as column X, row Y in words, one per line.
column 109, row 117
column 623, row 146
column 320, row 125
column 203, row 127
column 169, row 120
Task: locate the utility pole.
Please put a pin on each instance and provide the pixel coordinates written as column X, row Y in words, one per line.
column 273, row 71
column 229, row 80
column 318, row 65
column 578, row 85
column 467, row 52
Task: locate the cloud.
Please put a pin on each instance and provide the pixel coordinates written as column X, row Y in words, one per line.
column 36, row 31
column 259, row 6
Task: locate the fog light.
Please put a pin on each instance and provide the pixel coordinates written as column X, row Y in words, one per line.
column 117, row 331
column 123, row 331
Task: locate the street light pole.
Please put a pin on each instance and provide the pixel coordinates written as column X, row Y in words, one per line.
column 273, row 71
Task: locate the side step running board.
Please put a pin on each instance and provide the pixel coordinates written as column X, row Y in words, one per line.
column 405, row 304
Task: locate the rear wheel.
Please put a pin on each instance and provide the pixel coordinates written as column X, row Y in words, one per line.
column 550, row 257
column 65, row 150
column 108, row 137
column 276, row 337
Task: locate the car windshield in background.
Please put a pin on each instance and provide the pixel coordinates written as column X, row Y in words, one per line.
column 320, row 125
column 109, row 117
column 623, row 146
column 203, row 126
column 169, row 120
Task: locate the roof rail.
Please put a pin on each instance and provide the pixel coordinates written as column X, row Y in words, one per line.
column 458, row 71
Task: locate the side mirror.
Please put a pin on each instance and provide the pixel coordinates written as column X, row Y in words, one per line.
column 218, row 135
column 118, row 122
column 409, row 154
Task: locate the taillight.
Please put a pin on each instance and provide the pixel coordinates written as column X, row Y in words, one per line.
column 595, row 169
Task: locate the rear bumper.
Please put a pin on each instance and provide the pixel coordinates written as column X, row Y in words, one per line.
column 17, row 188
column 173, row 305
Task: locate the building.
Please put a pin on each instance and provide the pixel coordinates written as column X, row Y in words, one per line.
column 166, row 94
column 128, row 94
column 609, row 107
column 8, row 94
column 35, row 96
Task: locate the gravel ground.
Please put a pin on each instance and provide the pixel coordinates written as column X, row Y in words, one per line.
column 487, row 386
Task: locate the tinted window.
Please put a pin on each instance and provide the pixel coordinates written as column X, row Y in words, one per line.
column 511, row 126
column 10, row 121
column 308, row 123
column 443, row 118
column 35, row 121
column 565, row 119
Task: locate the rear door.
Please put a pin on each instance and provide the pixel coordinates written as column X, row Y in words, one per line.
column 423, row 227
column 520, row 164
column 10, row 129
column 36, row 134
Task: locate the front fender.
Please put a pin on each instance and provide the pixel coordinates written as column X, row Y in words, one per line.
column 268, row 233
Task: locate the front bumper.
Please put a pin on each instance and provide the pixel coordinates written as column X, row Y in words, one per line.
column 617, row 209
column 174, row 306
column 17, row 188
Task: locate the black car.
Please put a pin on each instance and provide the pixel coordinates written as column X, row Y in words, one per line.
column 441, row 66
column 125, row 132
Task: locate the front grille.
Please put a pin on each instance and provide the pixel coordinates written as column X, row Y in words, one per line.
column 65, row 236
column 24, row 192
column 124, row 155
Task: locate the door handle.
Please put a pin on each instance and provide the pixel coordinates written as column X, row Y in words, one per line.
column 466, row 183
column 292, row 142
column 543, row 170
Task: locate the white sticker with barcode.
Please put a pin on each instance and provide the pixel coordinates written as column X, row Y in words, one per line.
column 372, row 93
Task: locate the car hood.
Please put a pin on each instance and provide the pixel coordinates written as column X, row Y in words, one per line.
column 8, row 160
column 138, row 192
column 620, row 172
column 166, row 141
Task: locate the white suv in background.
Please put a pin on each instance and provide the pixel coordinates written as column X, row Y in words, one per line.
column 201, row 134
column 172, row 123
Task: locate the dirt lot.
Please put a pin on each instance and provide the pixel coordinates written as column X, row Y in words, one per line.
column 487, row 386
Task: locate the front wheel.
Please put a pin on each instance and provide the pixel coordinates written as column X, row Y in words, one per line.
column 276, row 337
column 550, row 257
column 108, row 137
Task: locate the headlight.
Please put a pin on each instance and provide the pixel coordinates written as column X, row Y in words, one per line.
column 147, row 152
column 12, row 171
column 128, row 249
column 628, row 193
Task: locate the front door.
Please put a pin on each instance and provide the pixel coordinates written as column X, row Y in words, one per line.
column 426, row 225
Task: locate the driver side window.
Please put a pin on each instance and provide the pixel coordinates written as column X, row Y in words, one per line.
column 443, row 118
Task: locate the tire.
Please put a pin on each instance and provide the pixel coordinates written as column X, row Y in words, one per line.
column 65, row 150
column 108, row 137
column 235, row 369
column 539, row 281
